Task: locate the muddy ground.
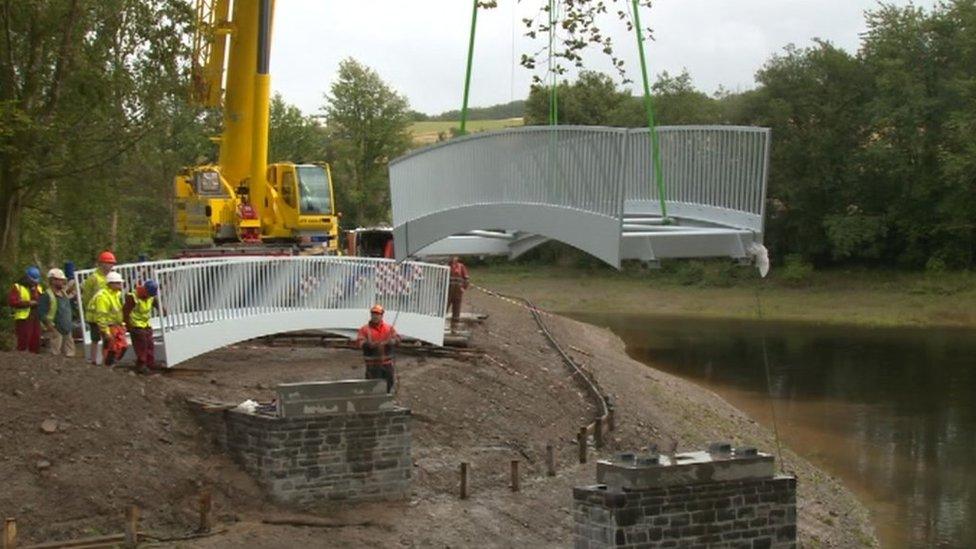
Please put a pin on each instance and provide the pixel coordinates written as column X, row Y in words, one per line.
column 121, row 439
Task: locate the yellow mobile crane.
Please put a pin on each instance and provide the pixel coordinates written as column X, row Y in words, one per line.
column 242, row 197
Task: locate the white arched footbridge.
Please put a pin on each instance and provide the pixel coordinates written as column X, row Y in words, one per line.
column 590, row 187
column 210, row 303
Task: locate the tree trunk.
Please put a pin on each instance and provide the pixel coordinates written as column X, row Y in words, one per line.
column 10, row 211
column 114, row 230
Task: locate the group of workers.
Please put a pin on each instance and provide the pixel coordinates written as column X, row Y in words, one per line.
column 111, row 315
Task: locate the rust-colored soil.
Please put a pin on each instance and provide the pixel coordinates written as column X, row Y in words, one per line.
column 124, row 439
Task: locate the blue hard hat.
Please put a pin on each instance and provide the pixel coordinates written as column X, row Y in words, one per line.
column 151, row 287
column 34, row 273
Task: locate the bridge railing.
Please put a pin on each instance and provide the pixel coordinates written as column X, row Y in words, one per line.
column 209, row 305
column 565, row 182
column 575, row 183
column 711, row 173
column 532, row 165
column 132, row 275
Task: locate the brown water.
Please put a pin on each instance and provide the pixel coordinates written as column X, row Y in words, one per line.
column 892, row 412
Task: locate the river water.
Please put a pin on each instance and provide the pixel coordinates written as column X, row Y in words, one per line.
column 892, row 412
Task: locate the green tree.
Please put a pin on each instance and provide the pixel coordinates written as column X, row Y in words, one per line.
column 366, row 122
column 293, row 136
column 814, row 100
column 85, row 87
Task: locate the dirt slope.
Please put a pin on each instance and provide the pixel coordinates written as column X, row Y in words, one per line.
column 124, row 439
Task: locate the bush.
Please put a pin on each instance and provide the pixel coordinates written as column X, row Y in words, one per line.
column 796, row 271
column 689, row 273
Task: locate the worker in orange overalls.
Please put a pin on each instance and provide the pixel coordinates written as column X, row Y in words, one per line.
column 23, row 299
column 378, row 340
column 458, row 284
column 247, row 212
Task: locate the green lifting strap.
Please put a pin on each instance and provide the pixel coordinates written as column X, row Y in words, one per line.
column 649, row 107
column 553, row 93
column 467, row 76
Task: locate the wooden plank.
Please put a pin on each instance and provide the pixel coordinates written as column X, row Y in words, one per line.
column 109, row 540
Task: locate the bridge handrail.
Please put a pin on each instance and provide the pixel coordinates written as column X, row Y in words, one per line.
column 250, row 286
column 711, row 172
column 531, row 165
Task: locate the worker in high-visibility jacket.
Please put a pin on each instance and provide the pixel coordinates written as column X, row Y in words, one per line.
column 23, row 299
column 95, row 283
column 378, row 340
column 137, row 312
column 106, row 309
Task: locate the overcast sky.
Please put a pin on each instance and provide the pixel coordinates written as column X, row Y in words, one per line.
column 419, row 46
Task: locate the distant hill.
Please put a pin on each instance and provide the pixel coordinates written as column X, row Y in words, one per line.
column 514, row 109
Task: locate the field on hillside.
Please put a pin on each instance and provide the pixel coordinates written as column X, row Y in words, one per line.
column 425, row 133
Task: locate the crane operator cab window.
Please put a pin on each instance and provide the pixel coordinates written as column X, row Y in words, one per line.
column 288, row 188
column 207, row 184
column 313, row 188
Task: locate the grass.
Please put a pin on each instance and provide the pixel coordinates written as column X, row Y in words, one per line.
column 855, row 297
column 427, row 132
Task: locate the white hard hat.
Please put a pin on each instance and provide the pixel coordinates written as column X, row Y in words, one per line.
column 56, row 274
column 113, row 277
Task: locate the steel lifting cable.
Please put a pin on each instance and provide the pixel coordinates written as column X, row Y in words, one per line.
column 769, row 379
column 649, row 108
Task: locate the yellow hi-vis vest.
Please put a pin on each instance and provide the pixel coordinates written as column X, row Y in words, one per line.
column 107, row 308
column 140, row 314
column 89, row 289
column 21, row 313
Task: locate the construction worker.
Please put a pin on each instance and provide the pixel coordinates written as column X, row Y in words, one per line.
column 107, row 310
column 378, row 340
column 95, row 283
column 455, row 291
column 136, row 312
column 54, row 310
column 23, row 299
column 247, row 212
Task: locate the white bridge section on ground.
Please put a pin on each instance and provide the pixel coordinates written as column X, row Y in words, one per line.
column 590, row 187
column 210, row 303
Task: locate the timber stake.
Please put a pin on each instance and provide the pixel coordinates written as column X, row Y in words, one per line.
column 10, row 533
column 550, row 460
column 132, row 527
column 464, row 480
column 515, row 475
column 581, row 441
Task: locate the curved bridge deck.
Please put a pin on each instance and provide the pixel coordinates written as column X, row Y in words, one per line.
column 210, row 303
column 590, row 187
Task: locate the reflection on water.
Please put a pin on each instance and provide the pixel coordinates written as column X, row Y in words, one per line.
column 890, row 411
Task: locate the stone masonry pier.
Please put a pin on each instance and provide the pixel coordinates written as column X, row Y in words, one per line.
column 328, row 441
column 720, row 498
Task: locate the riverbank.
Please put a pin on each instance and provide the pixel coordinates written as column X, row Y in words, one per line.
column 140, row 444
column 864, row 298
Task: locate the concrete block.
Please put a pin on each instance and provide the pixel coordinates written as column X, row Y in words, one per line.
column 319, row 398
column 688, row 468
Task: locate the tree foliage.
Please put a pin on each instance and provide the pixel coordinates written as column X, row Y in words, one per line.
column 874, row 155
column 366, row 123
column 293, row 136
column 92, row 115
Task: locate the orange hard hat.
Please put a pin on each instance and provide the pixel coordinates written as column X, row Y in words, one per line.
column 377, row 309
column 106, row 257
